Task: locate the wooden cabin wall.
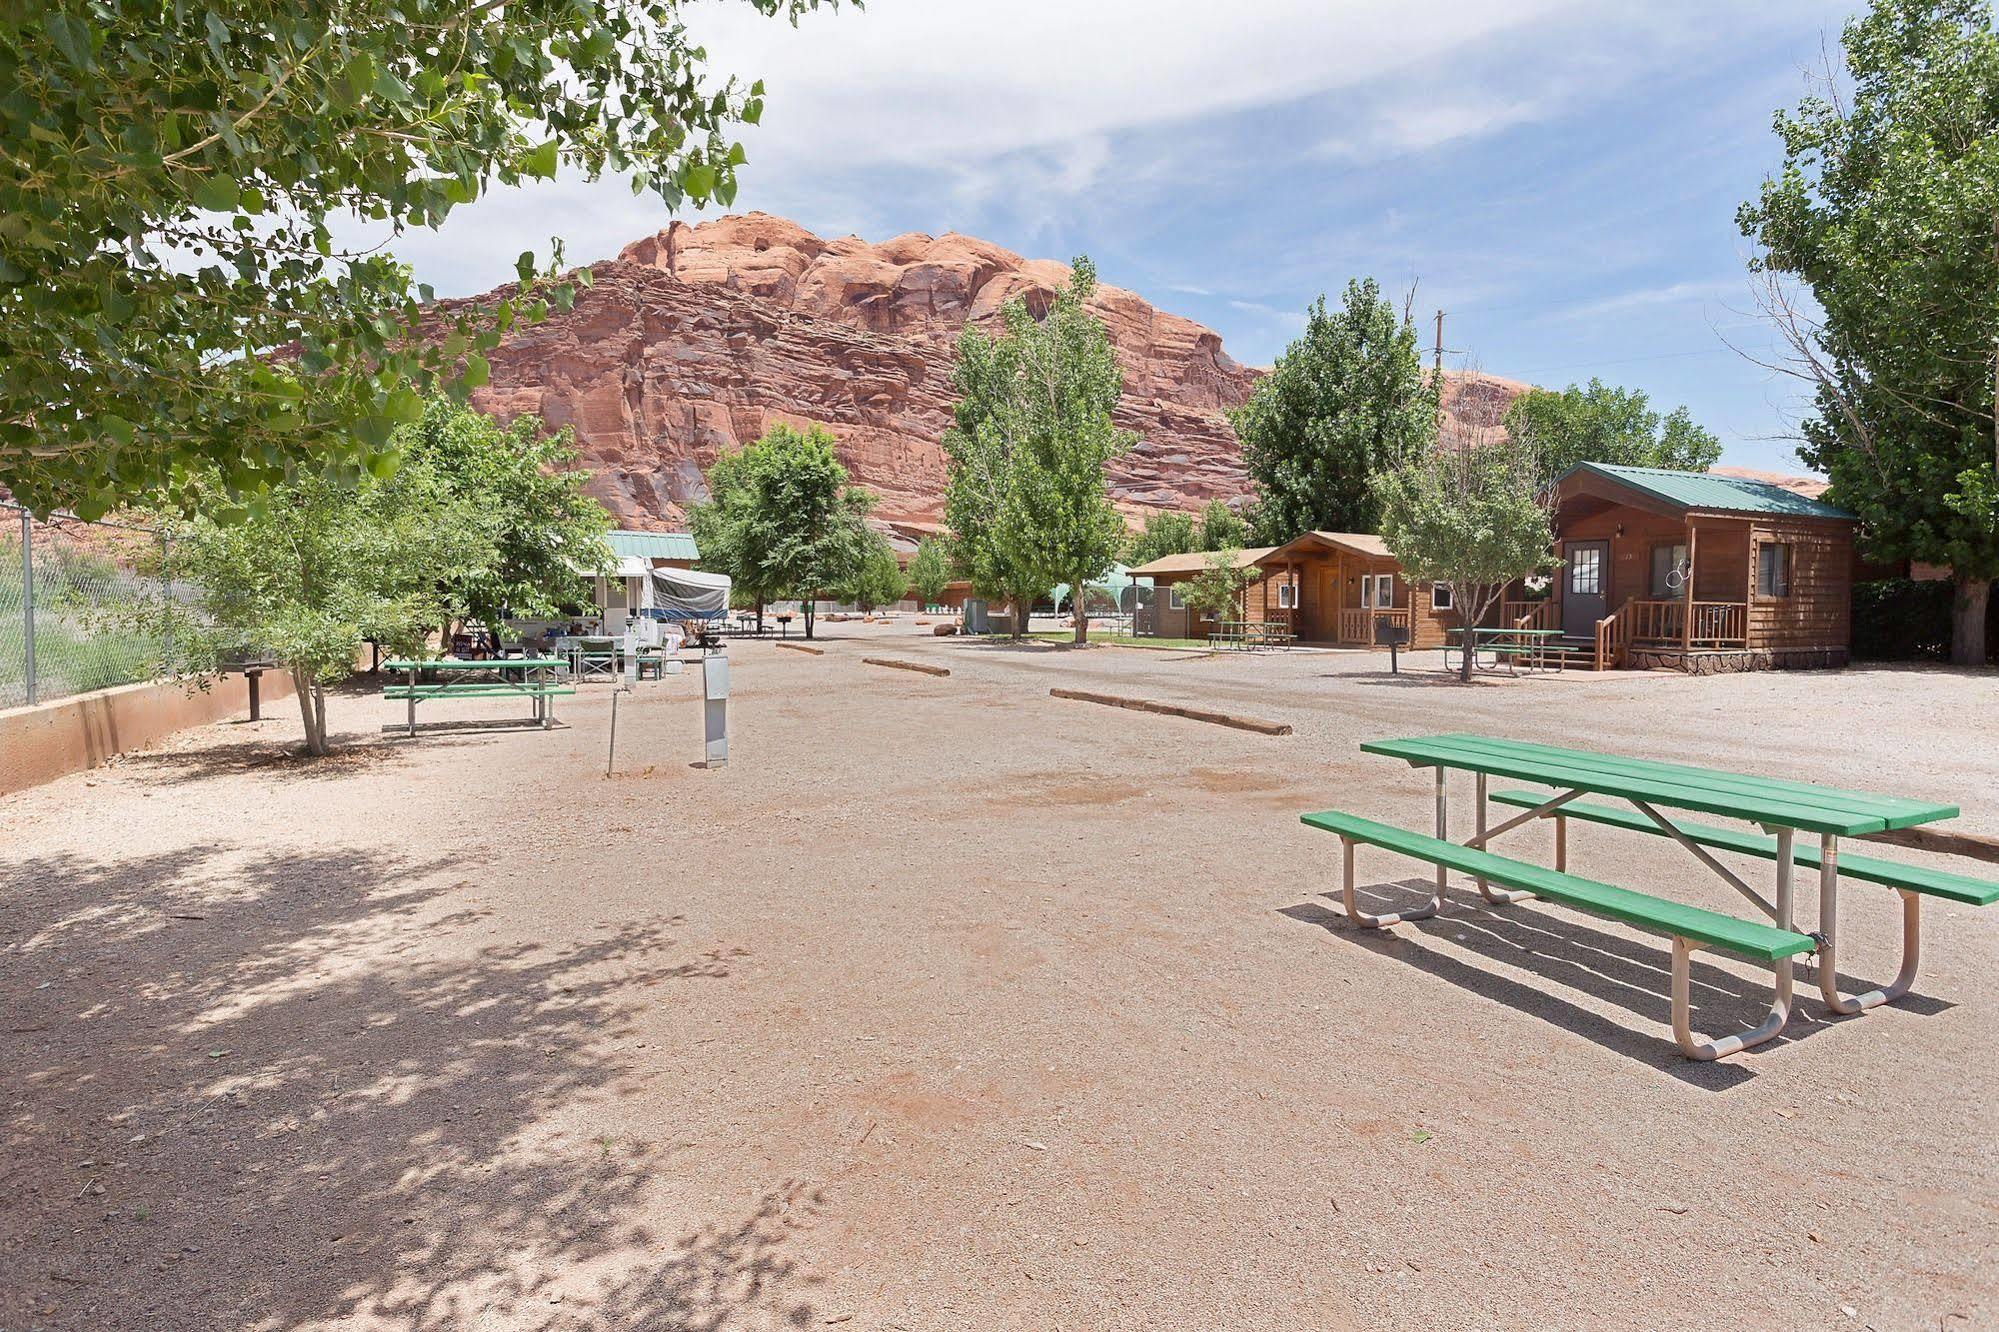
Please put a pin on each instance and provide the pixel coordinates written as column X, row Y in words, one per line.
column 1819, row 611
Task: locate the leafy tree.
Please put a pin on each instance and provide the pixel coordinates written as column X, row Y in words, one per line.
column 1217, row 590
column 876, row 579
column 1472, row 518
column 1027, row 501
column 1607, row 425
column 930, row 570
column 314, row 569
column 1164, row 533
column 169, row 179
column 1887, row 211
column 527, row 489
column 1221, row 528
column 781, row 519
column 1346, row 401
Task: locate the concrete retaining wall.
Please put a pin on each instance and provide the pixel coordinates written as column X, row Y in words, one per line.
column 50, row 740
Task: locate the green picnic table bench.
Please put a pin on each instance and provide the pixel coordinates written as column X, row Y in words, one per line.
column 535, row 680
column 1536, row 647
column 1781, row 807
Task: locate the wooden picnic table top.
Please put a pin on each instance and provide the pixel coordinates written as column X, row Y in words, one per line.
column 1772, row 801
column 461, row 664
column 1501, row 631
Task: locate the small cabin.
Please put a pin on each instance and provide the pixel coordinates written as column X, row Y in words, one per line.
column 1697, row 571
column 1336, row 587
column 1330, row 588
column 1167, row 616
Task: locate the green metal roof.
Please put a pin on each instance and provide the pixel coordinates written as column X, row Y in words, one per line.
column 652, row 545
column 1710, row 493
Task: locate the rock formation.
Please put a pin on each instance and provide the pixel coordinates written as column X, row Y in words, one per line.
column 697, row 338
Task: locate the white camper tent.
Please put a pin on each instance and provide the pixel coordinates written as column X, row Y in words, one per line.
column 684, row 594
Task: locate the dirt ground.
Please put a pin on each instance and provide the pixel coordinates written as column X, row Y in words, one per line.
column 947, row 1004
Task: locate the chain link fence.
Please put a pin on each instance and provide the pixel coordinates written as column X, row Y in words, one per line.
column 74, row 597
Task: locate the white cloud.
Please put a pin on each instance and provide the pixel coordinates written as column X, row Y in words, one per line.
column 928, row 82
column 1673, row 293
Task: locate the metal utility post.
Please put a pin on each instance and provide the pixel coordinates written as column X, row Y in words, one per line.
column 715, row 707
column 28, row 603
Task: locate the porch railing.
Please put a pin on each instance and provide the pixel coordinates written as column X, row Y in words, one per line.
column 1529, row 614
column 1356, row 623
column 1613, row 634
column 1716, row 624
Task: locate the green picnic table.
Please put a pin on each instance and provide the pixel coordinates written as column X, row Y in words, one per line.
column 1535, row 645
column 1780, row 807
column 532, row 678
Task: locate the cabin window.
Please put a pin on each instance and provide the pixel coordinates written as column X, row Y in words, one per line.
column 1440, row 596
column 1377, row 591
column 1773, row 569
column 1586, row 571
column 1173, row 598
column 1669, row 571
column 1287, row 596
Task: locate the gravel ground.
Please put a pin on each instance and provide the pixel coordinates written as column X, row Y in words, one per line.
column 947, row 1004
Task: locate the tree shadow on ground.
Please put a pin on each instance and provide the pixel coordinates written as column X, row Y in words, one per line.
column 270, row 1092
column 1633, row 974
column 272, row 760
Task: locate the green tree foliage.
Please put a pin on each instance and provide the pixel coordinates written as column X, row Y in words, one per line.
column 781, row 519
column 1887, row 211
column 1221, row 528
column 1346, row 401
column 1599, row 423
column 1217, row 590
column 1475, row 519
column 876, row 579
column 314, row 569
column 1027, row 501
column 1165, row 533
column 930, row 569
column 165, row 194
column 528, row 492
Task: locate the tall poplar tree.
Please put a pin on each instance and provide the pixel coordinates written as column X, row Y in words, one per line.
column 1346, row 401
column 1887, row 211
column 1027, row 500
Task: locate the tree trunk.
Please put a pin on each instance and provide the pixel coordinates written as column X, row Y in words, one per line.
column 760, row 615
column 1967, row 636
column 1080, row 608
column 808, row 617
column 310, row 703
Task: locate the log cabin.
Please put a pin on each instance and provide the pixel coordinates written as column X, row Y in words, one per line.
column 1696, row 571
column 1329, row 588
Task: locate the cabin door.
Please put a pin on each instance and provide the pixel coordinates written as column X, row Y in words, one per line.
column 1585, row 587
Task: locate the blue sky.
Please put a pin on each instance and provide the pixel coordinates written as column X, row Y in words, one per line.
column 1561, row 178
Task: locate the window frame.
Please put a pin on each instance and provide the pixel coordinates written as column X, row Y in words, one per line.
column 1173, row 599
column 1442, row 597
column 1287, row 595
column 1598, row 558
column 1657, row 588
column 1370, row 584
column 1779, row 587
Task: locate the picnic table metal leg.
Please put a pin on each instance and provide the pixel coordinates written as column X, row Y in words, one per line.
column 1912, row 940
column 1496, row 896
column 1695, row 1046
column 413, row 674
column 1443, row 825
column 1373, row 922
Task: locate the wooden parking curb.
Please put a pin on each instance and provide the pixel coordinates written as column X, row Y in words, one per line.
column 1256, row 724
column 800, row 647
column 905, row 665
column 1972, row 846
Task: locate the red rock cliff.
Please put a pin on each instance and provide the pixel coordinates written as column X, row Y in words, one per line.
column 697, row 338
